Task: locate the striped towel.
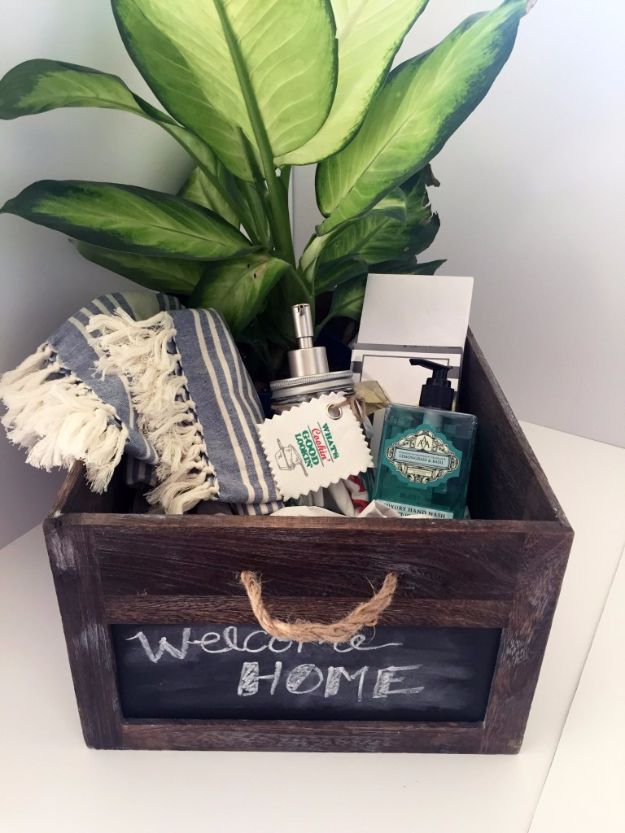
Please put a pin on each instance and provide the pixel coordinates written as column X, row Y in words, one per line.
column 135, row 373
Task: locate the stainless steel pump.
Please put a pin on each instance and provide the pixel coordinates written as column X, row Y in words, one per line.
column 308, row 366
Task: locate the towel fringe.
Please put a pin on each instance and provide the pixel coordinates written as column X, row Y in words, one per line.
column 146, row 353
column 59, row 419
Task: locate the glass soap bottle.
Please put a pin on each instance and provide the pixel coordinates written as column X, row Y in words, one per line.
column 310, row 377
column 425, row 452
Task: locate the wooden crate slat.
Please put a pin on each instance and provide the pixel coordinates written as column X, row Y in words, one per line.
column 226, row 610
column 295, row 559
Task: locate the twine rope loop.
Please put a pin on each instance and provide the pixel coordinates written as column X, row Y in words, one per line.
column 365, row 614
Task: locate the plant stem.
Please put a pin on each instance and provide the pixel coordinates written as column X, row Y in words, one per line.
column 280, row 219
column 277, row 195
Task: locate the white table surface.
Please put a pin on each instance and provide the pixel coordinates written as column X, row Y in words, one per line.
column 568, row 775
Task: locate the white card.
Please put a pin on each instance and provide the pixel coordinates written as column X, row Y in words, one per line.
column 313, row 445
column 406, row 316
column 416, row 310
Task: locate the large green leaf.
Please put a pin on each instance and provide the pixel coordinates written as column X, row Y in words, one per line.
column 393, row 205
column 369, row 33
column 374, row 236
column 130, row 219
column 238, row 289
column 42, row 85
column 382, row 235
column 226, row 67
column 162, row 274
column 177, row 86
column 375, row 239
column 423, row 102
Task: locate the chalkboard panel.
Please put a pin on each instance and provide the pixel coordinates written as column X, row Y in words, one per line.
column 239, row 671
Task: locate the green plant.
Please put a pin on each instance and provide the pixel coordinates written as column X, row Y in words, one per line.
column 252, row 88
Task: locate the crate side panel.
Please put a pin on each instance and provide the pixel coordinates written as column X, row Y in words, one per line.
column 506, row 480
column 231, row 610
column 303, row 560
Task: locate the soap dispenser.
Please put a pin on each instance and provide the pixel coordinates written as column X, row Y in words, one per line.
column 310, row 375
column 426, row 451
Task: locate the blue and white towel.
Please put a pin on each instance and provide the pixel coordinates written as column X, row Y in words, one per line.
column 135, row 373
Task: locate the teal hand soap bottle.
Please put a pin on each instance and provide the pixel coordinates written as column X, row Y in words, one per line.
column 425, row 453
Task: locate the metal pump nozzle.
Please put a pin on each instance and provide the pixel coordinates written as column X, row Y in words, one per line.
column 302, row 323
column 306, row 360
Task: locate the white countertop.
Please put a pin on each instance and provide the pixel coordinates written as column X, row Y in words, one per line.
column 569, row 776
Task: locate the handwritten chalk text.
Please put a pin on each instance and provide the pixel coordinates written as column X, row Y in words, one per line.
column 289, row 674
column 309, row 678
column 256, row 642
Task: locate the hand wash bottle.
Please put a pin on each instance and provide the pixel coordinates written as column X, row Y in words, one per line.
column 425, row 452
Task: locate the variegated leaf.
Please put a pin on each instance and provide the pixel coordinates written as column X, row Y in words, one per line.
column 423, row 102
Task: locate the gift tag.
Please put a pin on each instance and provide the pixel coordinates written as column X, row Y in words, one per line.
column 314, row 445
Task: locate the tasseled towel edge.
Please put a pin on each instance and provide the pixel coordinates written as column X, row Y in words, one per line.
column 59, row 419
column 145, row 352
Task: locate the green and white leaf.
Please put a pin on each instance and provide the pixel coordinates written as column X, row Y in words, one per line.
column 423, row 102
column 162, row 274
column 239, row 288
column 154, row 54
column 267, row 69
column 374, row 237
column 381, row 234
column 369, row 33
column 42, row 85
column 130, row 219
column 394, row 205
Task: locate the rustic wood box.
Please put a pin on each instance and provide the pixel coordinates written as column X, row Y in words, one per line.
column 501, row 570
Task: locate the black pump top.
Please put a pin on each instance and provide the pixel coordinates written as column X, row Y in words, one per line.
column 437, row 391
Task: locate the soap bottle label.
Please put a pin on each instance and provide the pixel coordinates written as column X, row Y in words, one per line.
column 423, row 457
column 407, row 509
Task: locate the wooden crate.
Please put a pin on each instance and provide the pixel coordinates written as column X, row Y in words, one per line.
column 502, row 569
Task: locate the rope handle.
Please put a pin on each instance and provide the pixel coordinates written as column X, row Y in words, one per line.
column 365, row 614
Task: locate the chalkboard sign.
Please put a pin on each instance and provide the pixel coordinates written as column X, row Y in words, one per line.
column 239, row 671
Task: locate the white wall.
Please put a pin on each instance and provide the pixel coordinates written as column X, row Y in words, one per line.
column 42, row 279
column 531, row 203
